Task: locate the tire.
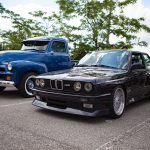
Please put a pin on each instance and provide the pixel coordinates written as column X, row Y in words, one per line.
column 27, row 84
column 2, row 88
column 118, row 102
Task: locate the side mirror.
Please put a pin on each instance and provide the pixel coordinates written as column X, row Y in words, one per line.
column 137, row 66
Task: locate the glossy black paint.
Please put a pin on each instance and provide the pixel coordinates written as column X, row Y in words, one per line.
column 134, row 80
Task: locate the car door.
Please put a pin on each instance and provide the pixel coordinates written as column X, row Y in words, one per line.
column 59, row 56
column 147, row 64
column 137, row 77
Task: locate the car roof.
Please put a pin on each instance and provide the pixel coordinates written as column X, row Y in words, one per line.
column 45, row 38
column 112, row 50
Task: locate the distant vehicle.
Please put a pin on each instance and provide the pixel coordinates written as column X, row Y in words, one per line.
column 103, row 82
column 38, row 55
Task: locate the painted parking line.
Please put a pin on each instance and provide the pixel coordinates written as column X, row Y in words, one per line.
column 127, row 134
column 16, row 104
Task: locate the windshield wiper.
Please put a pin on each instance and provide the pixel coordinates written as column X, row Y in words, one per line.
column 82, row 65
column 105, row 66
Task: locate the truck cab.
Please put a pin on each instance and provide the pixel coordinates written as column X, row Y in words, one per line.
column 37, row 56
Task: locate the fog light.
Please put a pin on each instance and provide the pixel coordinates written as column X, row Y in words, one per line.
column 90, row 106
column 37, row 97
column 8, row 78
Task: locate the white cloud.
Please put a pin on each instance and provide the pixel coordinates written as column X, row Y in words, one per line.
column 23, row 10
column 30, row 7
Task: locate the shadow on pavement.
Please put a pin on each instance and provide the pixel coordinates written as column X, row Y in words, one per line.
column 92, row 120
column 11, row 93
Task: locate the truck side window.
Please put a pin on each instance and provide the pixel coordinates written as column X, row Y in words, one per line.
column 58, row 46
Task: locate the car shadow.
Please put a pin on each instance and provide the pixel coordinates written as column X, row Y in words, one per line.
column 72, row 117
column 11, row 93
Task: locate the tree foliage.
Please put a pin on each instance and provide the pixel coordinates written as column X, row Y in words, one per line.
column 101, row 19
column 97, row 21
column 22, row 28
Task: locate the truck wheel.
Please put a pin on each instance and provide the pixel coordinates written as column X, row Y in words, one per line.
column 2, row 88
column 27, row 84
column 118, row 102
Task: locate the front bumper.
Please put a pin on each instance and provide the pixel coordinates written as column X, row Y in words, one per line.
column 73, row 104
column 6, row 83
column 70, row 110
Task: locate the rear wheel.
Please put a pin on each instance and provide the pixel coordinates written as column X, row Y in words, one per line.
column 118, row 103
column 2, row 88
column 27, row 84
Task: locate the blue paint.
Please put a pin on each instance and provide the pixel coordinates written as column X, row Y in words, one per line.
column 38, row 61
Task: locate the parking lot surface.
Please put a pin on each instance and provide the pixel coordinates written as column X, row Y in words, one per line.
column 25, row 127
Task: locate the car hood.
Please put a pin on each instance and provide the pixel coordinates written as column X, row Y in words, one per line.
column 85, row 74
column 13, row 55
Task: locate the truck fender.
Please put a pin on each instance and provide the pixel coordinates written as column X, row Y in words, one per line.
column 20, row 68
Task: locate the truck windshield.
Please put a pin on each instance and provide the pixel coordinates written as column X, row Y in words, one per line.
column 107, row 59
column 34, row 45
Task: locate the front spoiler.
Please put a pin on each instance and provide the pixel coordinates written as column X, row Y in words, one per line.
column 70, row 110
column 6, row 83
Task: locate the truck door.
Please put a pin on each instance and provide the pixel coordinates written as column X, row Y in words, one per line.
column 59, row 56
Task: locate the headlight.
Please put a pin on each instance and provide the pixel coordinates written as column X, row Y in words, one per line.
column 37, row 82
column 42, row 83
column 77, row 86
column 9, row 66
column 88, row 87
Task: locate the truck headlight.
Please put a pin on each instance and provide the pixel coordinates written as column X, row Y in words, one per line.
column 88, row 87
column 9, row 66
column 77, row 86
column 42, row 83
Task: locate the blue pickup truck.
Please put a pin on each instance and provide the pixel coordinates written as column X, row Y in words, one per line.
column 38, row 55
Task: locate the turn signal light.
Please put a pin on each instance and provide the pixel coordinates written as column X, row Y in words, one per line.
column 8, row 78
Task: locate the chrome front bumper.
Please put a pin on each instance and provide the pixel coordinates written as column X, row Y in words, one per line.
column 7, row 83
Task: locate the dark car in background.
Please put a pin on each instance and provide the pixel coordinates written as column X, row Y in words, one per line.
column 103, row 82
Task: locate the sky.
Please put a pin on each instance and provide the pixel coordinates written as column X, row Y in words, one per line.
column 140, row 9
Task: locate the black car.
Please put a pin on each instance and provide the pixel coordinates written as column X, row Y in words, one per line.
column 103, row 82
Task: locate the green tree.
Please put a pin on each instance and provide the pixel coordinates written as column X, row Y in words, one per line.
column 101, row 19
column 22, row 28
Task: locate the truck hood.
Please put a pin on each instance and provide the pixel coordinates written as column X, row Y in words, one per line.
column 13, row 55
column 93, row 74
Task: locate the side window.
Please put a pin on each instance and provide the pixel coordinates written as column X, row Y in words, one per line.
column 146, row 60
column 137, row 58
column 58, row 46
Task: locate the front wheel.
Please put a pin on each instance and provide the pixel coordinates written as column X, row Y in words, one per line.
column 27, row 84
column 118, row 102
column 2, row 88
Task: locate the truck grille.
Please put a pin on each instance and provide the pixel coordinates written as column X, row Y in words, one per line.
column 2, row 69
column 56, row 84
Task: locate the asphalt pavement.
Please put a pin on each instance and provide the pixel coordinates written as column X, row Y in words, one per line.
column 26, row 127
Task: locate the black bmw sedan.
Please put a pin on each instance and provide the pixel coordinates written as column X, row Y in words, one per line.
column 103, row 82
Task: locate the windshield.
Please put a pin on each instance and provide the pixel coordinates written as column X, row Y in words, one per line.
column 112, row 59
column 35, row 45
